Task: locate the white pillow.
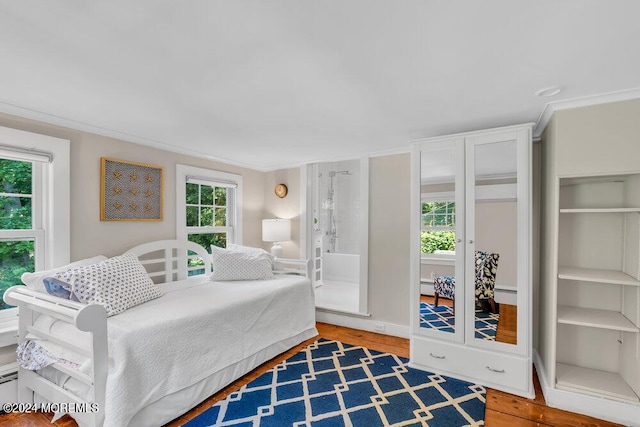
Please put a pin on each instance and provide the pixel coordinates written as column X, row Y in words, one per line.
column 34, row 280
column 117, row 283
column 240, row 265
column 241, row 248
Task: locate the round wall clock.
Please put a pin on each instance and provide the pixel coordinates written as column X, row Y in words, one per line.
column 281, row 190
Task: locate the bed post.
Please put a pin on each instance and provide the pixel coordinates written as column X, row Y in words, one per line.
column 93, row 318
column 25, row 394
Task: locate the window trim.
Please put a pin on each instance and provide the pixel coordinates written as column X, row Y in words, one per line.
column 183, row 173
column 53, row 189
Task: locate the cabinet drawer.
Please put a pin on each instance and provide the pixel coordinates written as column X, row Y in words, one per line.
column 498, row 369
column 506, row 372
column 437, row 355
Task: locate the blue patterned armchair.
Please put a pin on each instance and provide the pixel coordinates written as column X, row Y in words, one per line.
column 486, row 269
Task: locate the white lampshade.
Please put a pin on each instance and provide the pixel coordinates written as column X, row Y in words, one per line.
column 276, row 230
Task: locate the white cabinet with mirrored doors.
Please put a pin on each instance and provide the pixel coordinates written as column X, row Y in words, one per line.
column 471, row 257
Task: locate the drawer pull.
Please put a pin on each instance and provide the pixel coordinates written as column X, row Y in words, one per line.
column 435, row 356
column 500, row 371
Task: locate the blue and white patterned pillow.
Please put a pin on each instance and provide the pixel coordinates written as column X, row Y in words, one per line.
column 58, row 288
column 117, row 283
column 240, row 265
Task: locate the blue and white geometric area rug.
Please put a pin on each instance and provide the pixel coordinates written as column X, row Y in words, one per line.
column 443, row 319
column 332, row 384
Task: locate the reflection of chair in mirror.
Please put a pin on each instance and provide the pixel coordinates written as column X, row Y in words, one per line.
column 445, row 287
column 486, row 268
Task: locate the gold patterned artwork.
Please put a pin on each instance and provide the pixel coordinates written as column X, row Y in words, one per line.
column 131, row 191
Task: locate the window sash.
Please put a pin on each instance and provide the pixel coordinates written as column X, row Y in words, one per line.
column 438, row 228
column 50, row 182
column 209, row 177
column 211, row 182
column 209, row 230
column 38, row 237
column 36, row 233
column 24, row 154
column 229, row 208
column 444, row 197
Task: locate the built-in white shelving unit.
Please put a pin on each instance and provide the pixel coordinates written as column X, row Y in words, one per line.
column 598, row 276
column 588, row 299
column 598, row 295
column 316, row 259
column 600, row 210
column 595, row 318
column 593, row 381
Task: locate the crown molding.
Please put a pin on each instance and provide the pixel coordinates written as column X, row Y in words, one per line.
column 604, row 98
column 391, row 152
column 27, row 113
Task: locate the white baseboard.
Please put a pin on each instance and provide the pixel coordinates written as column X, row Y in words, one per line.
column 542, row 374
column 426, row 288
column 506, row 296
column 610, row 410
column 358, row 322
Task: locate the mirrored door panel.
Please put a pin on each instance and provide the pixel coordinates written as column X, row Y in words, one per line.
column 492, row 250
column 440, row 240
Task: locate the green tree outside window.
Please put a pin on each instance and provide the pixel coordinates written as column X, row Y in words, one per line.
column 438, row 227
column 206, row 207
column 16, row 257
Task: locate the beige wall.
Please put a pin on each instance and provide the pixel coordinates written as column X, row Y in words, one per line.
column 497, row 232
column 591, row 135
column 389, row 233
column 89, row 235
column 288, row 207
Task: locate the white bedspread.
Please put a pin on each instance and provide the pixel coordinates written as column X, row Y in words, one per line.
column 196, row 329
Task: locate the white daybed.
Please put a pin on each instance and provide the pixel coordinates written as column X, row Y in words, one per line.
column 155, row 361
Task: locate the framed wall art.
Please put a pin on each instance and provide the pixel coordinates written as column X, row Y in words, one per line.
column 131, row 191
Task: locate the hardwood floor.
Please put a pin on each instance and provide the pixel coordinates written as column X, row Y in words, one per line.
column 502, row 410
column 508, row 324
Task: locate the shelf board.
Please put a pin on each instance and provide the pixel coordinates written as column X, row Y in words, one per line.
column 593, row 381
column 595, row 275
column 600, row 210
column 594, row 318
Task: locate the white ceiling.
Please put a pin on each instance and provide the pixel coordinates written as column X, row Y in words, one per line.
column 272, row 84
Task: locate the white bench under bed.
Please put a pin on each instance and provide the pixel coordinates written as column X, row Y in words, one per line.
column 155, row 361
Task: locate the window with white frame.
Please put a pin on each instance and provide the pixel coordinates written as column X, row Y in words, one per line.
column 208, row 206
column 438, row 227
column 34, row 207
